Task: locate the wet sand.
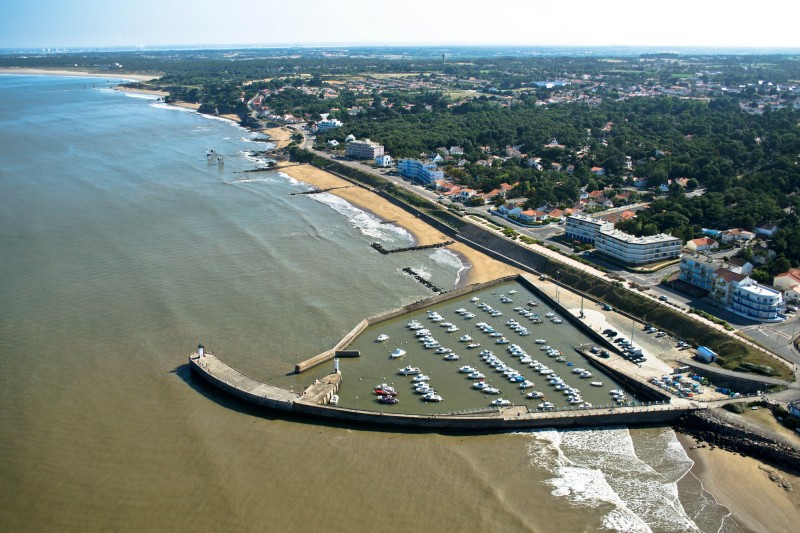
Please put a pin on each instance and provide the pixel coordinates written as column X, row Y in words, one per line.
column 483, row 268
column 750, row 489
column 78, row 73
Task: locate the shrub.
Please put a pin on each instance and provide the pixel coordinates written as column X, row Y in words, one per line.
column 737, row 408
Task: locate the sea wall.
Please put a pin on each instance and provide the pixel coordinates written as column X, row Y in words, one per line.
column 744, row 383
column 497, row 422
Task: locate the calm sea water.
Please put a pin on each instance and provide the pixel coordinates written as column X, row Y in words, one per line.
column 121, row 248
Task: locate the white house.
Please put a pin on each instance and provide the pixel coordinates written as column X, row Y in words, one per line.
column 384, row 160
column 333, row 143
column 702, row 244
column 767, row 230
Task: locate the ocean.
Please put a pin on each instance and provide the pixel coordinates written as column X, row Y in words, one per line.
column 122, row 247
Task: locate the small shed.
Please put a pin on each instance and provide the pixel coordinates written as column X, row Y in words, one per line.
column 706, row 355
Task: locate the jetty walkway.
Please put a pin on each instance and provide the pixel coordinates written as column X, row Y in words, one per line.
column 313, row 402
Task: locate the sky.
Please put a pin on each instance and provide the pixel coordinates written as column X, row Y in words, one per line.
column 162, row 23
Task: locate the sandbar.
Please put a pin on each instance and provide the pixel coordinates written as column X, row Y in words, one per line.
column 482, row 268
column 751, row 490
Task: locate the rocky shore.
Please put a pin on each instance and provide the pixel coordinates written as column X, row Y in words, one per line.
column 715, row 427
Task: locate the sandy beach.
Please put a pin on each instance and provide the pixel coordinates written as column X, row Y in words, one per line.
column 78, row 73
column 280, row 135
column 751, row 490
column 482, row 268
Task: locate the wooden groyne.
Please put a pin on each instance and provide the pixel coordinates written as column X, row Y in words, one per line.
column 411, row 272
column 378, row 246
column 318, row 191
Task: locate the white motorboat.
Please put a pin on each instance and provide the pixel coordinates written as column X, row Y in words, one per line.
column 502, row 340
column 547, row 406
column 535, row 394
column 422, row 332
column 446, row 324
column 586, row 374
column 513, row 291
column 480, row 385
column 452, row 357
column 541, row 341
column 423, row 388
column 476, row 375
column 469, row 316
column 382, row 337
column 474, row 299
column 527, row 384
column 431, row 345
column 397, row 353
column 616, row 392
column 334, row 400
column 461, row 311
column 473, row 345
column 452, row 329
column 466, row 369
column 557, row 321
column 550, row 314
column 577, row 370
column 491, row 390
column 409, row 371
column 419, row 378
column 442, row 349
column 466, row 338
column 432, row 397
column 596, row 383
column 500, row 402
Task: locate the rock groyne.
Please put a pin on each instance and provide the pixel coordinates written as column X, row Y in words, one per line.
column 710, row 426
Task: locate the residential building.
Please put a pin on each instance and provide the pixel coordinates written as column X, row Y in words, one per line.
column 733, row 290
column 328, row 124
column 532, row 215
column 757, row 302
column 384, row 160
column 637, row 250
column 423, row 172
column 364, row 149
column 767, row 230
column 702, row 244
column 788, row 280
column 736, row 235
column 585, row 228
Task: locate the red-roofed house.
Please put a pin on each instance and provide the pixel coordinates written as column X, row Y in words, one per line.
column 702, row 244
column 787, row 281
column 737, row 235
column 556, row 213
column 531, row 215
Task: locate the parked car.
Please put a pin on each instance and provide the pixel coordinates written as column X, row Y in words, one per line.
column 663, row 298
column 607, row 307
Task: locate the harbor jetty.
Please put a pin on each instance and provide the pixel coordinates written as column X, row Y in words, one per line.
column 656, row 408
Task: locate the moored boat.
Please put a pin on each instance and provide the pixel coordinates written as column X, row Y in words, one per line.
column 382, row 337
column 397, row 353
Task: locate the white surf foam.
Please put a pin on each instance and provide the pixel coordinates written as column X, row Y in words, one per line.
column 256, row 180
column 365, row 222
column 141, row 96
column 591, row 467
column 445, row 257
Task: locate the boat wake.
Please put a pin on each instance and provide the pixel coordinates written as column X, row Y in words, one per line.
column 595, row 467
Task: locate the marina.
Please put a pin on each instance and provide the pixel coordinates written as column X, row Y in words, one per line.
column 527, row 383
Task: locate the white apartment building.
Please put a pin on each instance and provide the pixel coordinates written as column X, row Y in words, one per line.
column 328, row 124
column 424, row 172
column 364, row 149
column 585, row 228
column 637, row 250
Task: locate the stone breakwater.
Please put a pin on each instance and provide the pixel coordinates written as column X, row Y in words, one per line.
column 712, row 427
column 379, row 247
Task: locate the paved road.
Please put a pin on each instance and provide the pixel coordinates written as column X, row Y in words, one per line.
column 775, row 337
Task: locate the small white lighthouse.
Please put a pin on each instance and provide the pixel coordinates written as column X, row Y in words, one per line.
column 200, row 350
column 336, row 366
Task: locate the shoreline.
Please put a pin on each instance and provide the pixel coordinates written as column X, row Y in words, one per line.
column 723, row 473
column 77, row 73
column 479, row 267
